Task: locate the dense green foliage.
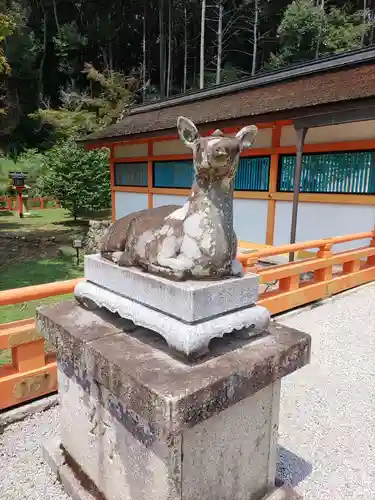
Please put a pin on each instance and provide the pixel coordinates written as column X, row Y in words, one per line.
column 143, row 50
column 79, row 179
column 308, row 30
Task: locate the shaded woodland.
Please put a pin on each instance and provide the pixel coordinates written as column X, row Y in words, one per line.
column 69, row 67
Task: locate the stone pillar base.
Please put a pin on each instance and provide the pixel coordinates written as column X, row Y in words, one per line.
column 79, row 486
column 138, row 423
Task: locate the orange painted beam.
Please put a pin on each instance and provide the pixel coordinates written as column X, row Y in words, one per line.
column 150, row 176
column 251, row 195
column 248, row 195
column 177, row 192
column 351, row 199
column 15, row 330
column 277, row 302
column 284, row 249
column 131, row 159
column 30, row 356
column 16, row 387
column 309, row 265
column 112, row 183
column 24, row 294
column 131, row 189
column 330, row 147
column 274, row 171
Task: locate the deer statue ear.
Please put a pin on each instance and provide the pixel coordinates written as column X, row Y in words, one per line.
column 246, row 136
column 187, row 131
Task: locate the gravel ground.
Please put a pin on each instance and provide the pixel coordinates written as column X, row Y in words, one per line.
column 23, row 472
column 327, row 421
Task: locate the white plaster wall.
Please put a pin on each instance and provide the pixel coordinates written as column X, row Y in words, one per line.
column 331, row 133
column 127, row 203
column 322, row 220
column 174, row 147
column 250, row 220
column 130, row 150
column 263, row 138
column 168, row 199
column 250, row 216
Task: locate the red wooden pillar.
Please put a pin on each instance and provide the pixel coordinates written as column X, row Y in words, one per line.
column 20, row 206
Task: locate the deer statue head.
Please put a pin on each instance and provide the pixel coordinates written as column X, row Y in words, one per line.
column 216, row 156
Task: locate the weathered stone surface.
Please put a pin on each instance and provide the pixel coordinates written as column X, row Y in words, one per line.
column 72, row 477
column 170, row 393
column 139, row 423
column 94, row 236
column 73, row 484
column 197, row 240
column 189, row 301
column 187, row 338
column 227, row 456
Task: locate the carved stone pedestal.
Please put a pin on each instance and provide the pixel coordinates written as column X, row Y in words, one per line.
column 139, row 423
column 188, row 314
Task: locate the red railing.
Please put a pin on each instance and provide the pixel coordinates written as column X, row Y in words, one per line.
column 9, row 203
column 32, row 373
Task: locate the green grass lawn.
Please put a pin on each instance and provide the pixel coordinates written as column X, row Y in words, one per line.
column 26, row 267
column 38, row 271
column 32, row 273
column 50, row 219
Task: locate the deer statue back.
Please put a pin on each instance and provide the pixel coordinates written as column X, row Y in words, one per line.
column 197, row 240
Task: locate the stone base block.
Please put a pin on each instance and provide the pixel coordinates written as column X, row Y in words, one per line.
column 138, row 423
column 230, row 456
column 188, row 338
column 72, row 483
column 79, row 487
column 188, row 301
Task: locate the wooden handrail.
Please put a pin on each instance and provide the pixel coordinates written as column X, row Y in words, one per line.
column 33, row 373
column 306, row 245
column 41, row 200
column 24, row 294
column 309, row 265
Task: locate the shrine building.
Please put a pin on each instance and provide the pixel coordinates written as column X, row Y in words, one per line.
column 326, row 108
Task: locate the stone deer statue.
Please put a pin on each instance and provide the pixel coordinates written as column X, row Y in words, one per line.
column 195, row 241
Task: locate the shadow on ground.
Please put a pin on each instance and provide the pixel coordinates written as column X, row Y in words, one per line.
column 291, row 469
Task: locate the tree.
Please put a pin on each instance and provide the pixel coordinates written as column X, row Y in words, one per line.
column 79, row 179
column 168, row 46
column 83, row 113
column 202, row 47
column 307, row 30
column 6, row 29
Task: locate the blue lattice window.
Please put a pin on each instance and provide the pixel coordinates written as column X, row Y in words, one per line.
column 173, row 174
column 131, row 174
column 343, row 172
column 253, row 174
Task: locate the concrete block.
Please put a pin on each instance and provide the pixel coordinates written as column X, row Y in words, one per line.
column 188, row 301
